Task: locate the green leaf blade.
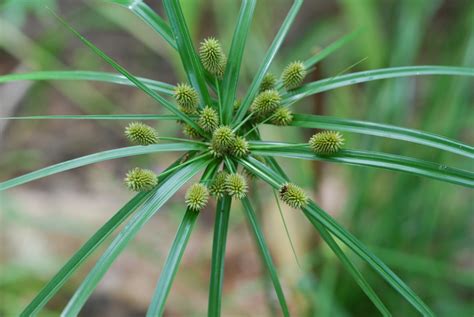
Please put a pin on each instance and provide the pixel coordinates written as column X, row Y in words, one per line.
column 383, row 130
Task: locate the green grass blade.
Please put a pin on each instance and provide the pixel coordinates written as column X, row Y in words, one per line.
column 218, row 253
column 150, row 207
column 168, row 105
column 239, row 39
column 270, row 55
column 355, row 273
column 95, row 158
column 371, row 75
column 189, row 58
column 383, row 130
column 58, row 280
column 373, row 159
column 97, row 117
column 112, row 78
column 175, row 254
column 319, row 56
column 316, row 213
column 144, row 12
column 265, row 253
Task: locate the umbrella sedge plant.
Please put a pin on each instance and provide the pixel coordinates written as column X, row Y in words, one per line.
column 223, row 143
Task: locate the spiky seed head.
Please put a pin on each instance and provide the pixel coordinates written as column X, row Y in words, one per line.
column 186, row 97
column 293, row 75
column 212, row 56
column 268, row 82
column 282, row 116
column 240, row 147
column 326, row 142
column 237, row 104
column 222, row 139
column 208, row 119
column 196, row 197
column 141, row 134
column 236, row 185
column 190, row 131
column 140, row 180
column 293, row 195
column 217, row 188
column 265, row 103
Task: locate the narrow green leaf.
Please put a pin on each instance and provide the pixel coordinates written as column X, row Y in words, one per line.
column 370, row 75
column 171, row 266
column 95, row 158
column 164, row 88
column 97, row 117
column 356, row 274
column 270, row 55
column 218, row 254
column 265, row 253
column 63, row 275
column 189, row 58
column 312, row 211
column 150, row 207
column 144, row 12
column 319, row 56
column 372, row 159
column 239, row 39
column 168, row 105
column 383, row 130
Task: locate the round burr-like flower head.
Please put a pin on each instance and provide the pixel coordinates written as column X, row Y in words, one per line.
column 141, row 134
column 293, row 75
column 266, row 103
column 326, row 142
column 212, row 56
column 282, row 116
column 293, row 195
column 187, row 98
column 208, row 119
column 197, row 197
column 236, row 185
column 141, row 180
column 268, row 82
column 217, row 188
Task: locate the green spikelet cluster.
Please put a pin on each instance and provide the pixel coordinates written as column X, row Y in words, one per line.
column 236, row 185
column 217, row 187
column 265, row 103
column 141, row 180
column 293, row 195
column 212, row 57
column 240, row 147
column 222, row 140
column 141, row 134
column 196, row 197
column 208, row 119
column 282, row 116
column 293, row 75
column 237, row 104
column 187, row 98
column 326, row 142
column 268, row 82
column 190, row 131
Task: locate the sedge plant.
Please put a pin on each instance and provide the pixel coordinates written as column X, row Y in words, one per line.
column 224, row 144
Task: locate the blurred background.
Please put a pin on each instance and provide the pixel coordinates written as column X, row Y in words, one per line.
column 422, row 228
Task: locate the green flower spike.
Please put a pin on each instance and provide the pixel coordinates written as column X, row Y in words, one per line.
column 293, row 75
column 282, row 116
column 141, row 180
column 240, row 147
column 217, row 188
column 208, row 119
column 190, row 131
column 141, row 134
column 196, row 197
column 326, row 142
column 187, row 98
column 222, row 140
column 212, row 56
column 266, row 103
column 236, row 185
column 268, row 82
column 237, row 104
column 293, row 195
